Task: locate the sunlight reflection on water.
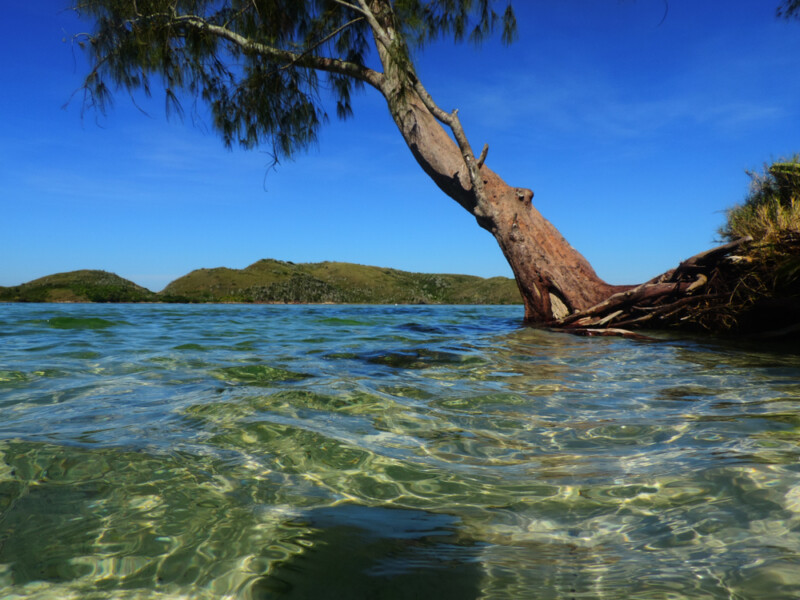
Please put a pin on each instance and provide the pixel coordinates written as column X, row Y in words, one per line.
column 170, row 451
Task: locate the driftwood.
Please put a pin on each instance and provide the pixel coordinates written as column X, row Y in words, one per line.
column 606, row 332
column 689, row 296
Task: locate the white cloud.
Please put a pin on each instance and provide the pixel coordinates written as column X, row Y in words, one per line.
column 596, row 107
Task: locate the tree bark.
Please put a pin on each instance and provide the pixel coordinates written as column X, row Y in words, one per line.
column 554, row 279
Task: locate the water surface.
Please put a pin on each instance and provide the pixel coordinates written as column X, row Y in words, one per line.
column 259, row 452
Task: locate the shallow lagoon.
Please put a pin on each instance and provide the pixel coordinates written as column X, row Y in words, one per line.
column 172, row 451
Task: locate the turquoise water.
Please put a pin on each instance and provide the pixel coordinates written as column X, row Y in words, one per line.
column 169, row 451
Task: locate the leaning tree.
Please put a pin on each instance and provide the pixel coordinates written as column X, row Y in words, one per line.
column 262, row 67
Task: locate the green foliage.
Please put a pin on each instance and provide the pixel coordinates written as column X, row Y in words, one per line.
column 789, row 9
column 771, row 209
column 263, row 67
column 474, row 19
column 20, row 293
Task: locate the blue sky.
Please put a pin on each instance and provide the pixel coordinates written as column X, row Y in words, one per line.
column 633, row 133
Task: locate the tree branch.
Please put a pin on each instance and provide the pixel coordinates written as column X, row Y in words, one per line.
column 322, row 41
column 331, row 65
column 712, row 254
column 352, row 7
column 482, row 157
column 381, row 35
column 469, row 159
column 454, row 123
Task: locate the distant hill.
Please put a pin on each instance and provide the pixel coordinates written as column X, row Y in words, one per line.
column 78, row 286
column 273, row 281
column 277, row 281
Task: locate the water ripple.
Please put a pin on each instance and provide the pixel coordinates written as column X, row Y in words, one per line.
column 256, row 452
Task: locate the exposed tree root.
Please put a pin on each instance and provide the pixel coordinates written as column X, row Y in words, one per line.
column 732, row 288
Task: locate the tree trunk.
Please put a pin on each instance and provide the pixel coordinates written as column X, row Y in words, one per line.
column 553, row 278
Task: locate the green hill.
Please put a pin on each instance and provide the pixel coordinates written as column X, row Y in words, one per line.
column 78, row 286
column 276, row 281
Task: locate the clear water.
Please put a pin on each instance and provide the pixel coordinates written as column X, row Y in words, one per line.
column 166, row 451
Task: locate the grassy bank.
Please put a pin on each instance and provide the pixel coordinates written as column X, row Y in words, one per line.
column 765, row 280
column 771, row 211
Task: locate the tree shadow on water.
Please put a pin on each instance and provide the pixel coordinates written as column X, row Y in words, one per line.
column 377, row 554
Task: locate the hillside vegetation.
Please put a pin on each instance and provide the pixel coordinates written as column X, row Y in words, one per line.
column 771, row 210
column 78, row 286
column 767, row 278
column 272, row 281
column 276, row 281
